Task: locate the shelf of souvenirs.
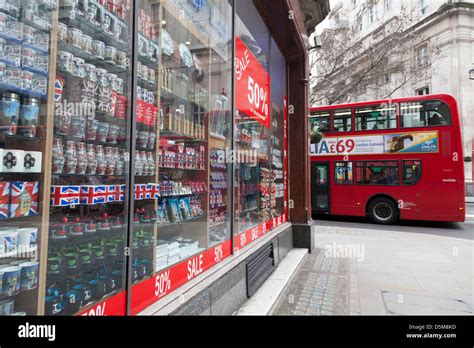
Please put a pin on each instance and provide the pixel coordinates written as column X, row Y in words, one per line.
column 172, row 251
column 117, row 37
column 162, row 225
column 109, row 177
column 177, row 136
column 8, row 295
column 90, row 58
column 117, row 144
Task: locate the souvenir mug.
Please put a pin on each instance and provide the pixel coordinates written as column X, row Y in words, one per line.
column 65, row 61
column 62, row 32
column 110, row 54
column 87, row 43
column 75, row 37
column 98, row 49
column 78, row 67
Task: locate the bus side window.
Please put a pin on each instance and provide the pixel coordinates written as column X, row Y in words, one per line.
column 376, row 117
column 343, row 120
column 321, row 121
column 425, row 114
column 411, row 172
column 380, row 173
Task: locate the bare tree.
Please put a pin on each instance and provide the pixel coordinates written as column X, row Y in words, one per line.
column 346, row 63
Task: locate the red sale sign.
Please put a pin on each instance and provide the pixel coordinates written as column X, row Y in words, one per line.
column 161, row 284
column 252, row 85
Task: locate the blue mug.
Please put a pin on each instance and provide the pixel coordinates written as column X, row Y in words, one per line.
column 74, row 299
column 53, row 305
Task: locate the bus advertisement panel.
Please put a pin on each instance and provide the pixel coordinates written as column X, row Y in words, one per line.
column 391, row 143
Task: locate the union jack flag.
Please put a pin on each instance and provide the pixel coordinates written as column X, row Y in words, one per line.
column 155, row 191
column 117, row 193
column 58, row 90
column 93, row 195
column 63, row 196
column 4, row 199
column 24, row 199
column 142, row 191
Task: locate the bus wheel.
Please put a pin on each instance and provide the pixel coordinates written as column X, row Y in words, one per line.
column 383, row 211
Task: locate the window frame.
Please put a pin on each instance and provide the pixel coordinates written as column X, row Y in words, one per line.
column 333, row 118
column 402, row 118
column 397, row 124
column 346, row 166
column 313, row 116
column 381, row 161
column 418, row 179
column 422, row 60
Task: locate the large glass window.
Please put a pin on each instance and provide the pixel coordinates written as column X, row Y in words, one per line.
column 185, row 206
column 377, row 173
column 321, row 121
column 90, row 146
column 425, row 114
column 376, row 117
column 278, row 93
column 252, row 121
column 25, row 141
column 99, row 164
column 343, row 120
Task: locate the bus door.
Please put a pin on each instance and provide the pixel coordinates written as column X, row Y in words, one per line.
column 320, row 188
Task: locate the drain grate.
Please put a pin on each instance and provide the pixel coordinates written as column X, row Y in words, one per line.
column 411, row 304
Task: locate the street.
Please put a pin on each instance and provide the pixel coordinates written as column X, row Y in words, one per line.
column 359, row 268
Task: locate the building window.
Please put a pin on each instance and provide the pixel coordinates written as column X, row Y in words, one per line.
column 422, row 56
column 377, row 173
column 354, row 3
column 423, row 91
column 376, row 118
column 343, row 120
column 424, row 6
column 344, row 173
column 411, row 172
column 387, row 5
column 425, row 114
column 373, row 13
column 322, row 120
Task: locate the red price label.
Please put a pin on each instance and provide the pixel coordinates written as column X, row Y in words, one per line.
column 252, row 85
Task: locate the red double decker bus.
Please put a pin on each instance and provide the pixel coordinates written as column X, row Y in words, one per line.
column 389, row 160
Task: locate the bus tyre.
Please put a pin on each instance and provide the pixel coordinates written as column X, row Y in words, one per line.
column 383, row 211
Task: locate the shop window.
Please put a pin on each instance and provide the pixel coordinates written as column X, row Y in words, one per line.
column 412, row 171
column 344, row 173
column 425, row 114
column 88, row 214
column 376, row 117
column 321, row 120
column 343, row 120
column 381, row 173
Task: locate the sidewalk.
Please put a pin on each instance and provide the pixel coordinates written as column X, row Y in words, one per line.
column 410, row 271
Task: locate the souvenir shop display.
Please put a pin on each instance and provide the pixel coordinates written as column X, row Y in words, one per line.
column 25, row 53
column 87, row 230
column 103, row 156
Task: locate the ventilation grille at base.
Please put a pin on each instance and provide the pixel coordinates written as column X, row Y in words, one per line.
column 259, row 267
